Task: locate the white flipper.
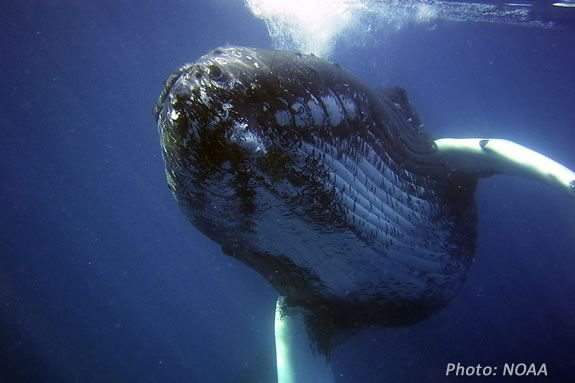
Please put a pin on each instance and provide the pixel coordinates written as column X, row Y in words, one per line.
column 486, row 156
column 298, row 360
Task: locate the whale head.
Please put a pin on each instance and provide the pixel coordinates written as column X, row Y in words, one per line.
column 227, row 124
column 210, row 142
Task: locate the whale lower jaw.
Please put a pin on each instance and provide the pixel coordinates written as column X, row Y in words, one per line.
column 319, row 259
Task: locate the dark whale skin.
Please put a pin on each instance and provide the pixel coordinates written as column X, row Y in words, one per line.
column 328, row 189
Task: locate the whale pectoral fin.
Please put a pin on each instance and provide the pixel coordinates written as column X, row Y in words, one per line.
column 485, row 156
column 299, row 359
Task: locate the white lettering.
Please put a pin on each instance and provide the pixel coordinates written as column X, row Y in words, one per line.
column 521, row 369
column 462, row 370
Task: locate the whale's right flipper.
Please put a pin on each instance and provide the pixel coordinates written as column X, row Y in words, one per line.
column 483, row 157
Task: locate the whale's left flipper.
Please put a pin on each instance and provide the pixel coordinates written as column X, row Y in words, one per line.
column 486, row 157
column 299, row 358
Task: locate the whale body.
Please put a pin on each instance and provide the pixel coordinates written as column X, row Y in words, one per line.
column 329, row 189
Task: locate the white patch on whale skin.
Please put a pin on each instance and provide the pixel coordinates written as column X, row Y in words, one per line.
column 317, row 114
column 247, row 139
column 225, row 112
column 282, row 117
column 174, row 115
column 300, row 114
column 333, row 109
column 349, row 106
column 204, row 96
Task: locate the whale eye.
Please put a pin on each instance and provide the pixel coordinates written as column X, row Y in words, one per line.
column 215, row 72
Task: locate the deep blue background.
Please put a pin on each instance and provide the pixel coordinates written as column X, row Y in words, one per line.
column 102, row 278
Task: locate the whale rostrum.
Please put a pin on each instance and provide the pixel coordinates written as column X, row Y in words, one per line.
column 330, row 190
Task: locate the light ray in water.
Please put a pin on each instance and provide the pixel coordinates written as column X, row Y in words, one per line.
column 314, row 26
column 309, row 25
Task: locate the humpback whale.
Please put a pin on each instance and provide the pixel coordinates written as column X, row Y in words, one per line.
column 330, row 190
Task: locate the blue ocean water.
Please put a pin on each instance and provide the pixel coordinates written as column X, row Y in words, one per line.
column 103, row 279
